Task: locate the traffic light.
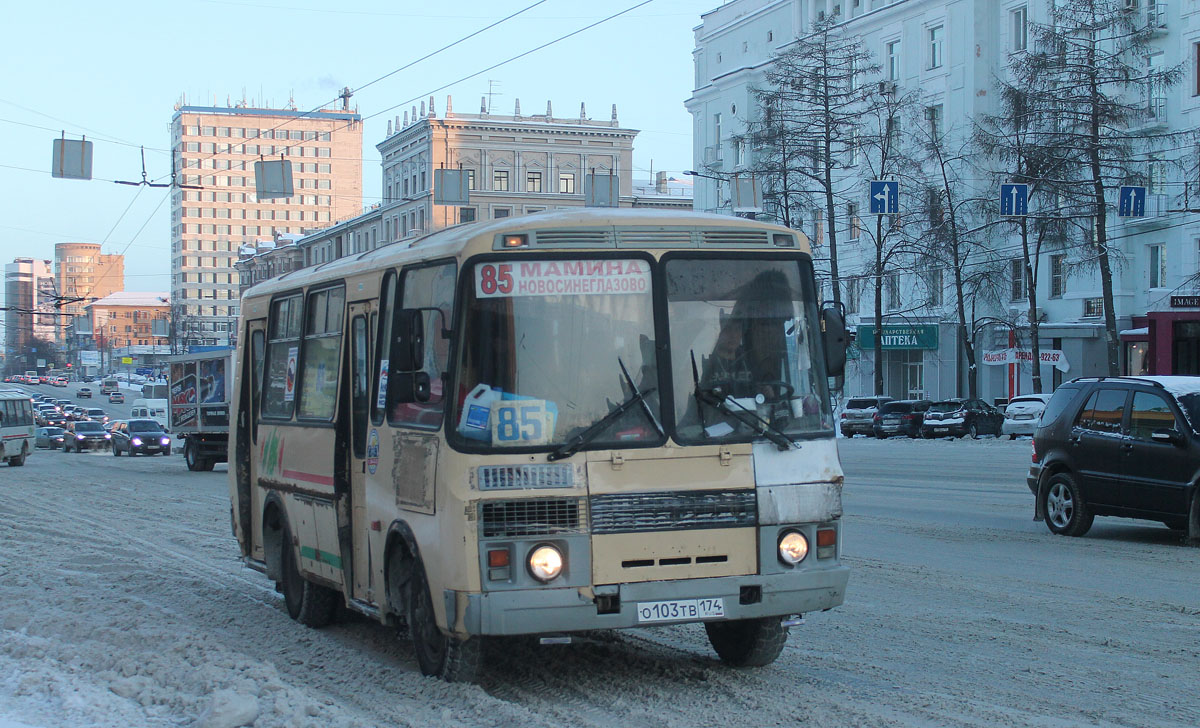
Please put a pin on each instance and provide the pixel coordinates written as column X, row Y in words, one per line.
column 68, row 365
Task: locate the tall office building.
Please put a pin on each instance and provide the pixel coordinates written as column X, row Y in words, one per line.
column 28, row 288
column 215, row 149
column 83, row 274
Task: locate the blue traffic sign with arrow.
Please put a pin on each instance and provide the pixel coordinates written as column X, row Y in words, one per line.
column 885, row 197
column 1014, row 199
column 1131, row 202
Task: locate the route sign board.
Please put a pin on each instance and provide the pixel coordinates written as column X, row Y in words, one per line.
column 1014, row 199
column 1131, row 202
column 885, row 197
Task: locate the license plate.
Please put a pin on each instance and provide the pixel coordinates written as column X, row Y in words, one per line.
column 941, row 429
column 680, row 609
column 1024, row 417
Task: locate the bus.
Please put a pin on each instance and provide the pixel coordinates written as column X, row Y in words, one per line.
column 579, row 420
column 16, row 427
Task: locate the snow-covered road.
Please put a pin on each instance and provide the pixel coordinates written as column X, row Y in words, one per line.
column 123, row 603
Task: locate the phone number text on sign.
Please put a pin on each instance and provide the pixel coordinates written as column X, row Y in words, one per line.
column 562, row 278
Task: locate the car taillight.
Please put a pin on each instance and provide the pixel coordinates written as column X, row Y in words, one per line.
column 843, row 415
column 1035, row 455
column 878, row 418
column 906, row 417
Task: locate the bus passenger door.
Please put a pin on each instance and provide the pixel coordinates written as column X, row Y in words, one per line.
column 364, row 450
column 249, row 387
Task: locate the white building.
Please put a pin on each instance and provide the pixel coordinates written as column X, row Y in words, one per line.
column 951, row 53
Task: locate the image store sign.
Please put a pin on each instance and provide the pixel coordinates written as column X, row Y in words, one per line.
column 899, row 336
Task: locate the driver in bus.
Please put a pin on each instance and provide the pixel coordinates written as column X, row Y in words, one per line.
column 750, row 356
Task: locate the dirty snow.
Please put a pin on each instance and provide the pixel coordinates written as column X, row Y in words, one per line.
column 123, row 603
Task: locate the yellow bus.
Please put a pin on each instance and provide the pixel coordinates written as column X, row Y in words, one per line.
column 568, row 421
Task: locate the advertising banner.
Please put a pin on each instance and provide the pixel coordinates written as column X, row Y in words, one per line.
column 183, row 395
column 1053, row 357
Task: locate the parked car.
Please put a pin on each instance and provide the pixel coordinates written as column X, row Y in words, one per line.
column 83, row 392
column 85, row 435
column 1022, row 413
column 144, row 437
column 116, row 398
column 1119, row 446
column 49, row 437
column 961, row 418
column 96, row 414
column 858, row 417
column 900, row 417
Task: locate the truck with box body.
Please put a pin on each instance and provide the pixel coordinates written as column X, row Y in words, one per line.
column 198, row 406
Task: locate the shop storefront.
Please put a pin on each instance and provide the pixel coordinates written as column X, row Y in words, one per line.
column 918, row 360
column 1164, row 342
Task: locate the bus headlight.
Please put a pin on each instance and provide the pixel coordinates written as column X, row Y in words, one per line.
column 545, row 563
column 793, row 547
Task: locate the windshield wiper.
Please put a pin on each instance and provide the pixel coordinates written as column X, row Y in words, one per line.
column 572, row 446
column 715, row 398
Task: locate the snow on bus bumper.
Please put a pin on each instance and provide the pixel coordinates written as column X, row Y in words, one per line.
column 548, row 610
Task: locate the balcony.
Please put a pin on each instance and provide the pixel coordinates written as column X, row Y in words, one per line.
column 1157, row 208
column 713, row 155
column 1156, row 16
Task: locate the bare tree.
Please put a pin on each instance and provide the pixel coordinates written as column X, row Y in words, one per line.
column 1089, row 71
column 811, row 109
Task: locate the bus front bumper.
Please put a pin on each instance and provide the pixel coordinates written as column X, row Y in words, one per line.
column 550, row 610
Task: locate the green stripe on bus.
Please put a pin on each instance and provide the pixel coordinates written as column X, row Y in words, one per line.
column 308, row 552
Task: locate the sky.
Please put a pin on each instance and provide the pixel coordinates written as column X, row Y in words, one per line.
column 113, row 72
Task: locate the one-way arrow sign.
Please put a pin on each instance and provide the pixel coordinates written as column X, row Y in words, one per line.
column 1014, row 200
column 885, row 197
column 1131, row 202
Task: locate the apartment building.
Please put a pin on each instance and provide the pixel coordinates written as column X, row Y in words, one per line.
column 215, row 149
column 133, row 324
column 83, row 274
column 950, row 54
column 29, row 287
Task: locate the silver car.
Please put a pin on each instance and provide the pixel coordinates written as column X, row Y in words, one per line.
column 1022, row 414
column 50, row 437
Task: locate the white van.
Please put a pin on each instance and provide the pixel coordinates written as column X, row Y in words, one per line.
column 150, row 409
column 16, row 427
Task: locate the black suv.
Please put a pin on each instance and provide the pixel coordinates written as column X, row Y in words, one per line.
column 901, row 417
column 144, row 437
column 1119, row 446
column 962, row 418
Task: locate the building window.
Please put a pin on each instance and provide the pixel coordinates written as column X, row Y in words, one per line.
column 466, row 214
column 934, row 115
column 851, row 293
column 533, row 181
column 936, row 34
column 716, row 128
column 855, row 221
column 893, row 60
column 1019, row 28
column 892, row 284
column 566, row 183
column 1017, row 279
column 470, row 179
column 500, row 180
column 1158, row 266
column 933, row 286
column 1093, row 307
column 1195, row 72
column 1058, row 275
column 500, row 212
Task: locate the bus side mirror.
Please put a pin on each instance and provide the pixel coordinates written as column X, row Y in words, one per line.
column 410, row 387
column 408, row 350
column 833, row 330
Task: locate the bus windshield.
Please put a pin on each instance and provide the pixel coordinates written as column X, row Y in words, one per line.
column 743, row 349
column 546, row 347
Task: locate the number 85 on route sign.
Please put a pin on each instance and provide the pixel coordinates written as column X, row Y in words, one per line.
column 517, row 422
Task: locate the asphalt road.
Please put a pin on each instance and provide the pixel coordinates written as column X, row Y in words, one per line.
column 123, row 602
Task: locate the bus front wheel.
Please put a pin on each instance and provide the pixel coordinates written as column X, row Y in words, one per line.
column 439, row 654
column 747, row 642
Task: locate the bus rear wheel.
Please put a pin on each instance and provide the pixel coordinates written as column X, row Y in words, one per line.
column 309, row 604
column 17, row 461
column 747, row 642
column 441, row 655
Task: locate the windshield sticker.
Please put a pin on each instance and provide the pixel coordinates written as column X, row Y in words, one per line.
column 562, row 278
column 523, row 422
column 381, row 399
column 289, row 385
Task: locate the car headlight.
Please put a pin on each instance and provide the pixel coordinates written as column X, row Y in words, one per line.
column 166, row 441
column 79, row 437
column 545, row 563
column 107, row 436
column 793, row 547
column 137, row 441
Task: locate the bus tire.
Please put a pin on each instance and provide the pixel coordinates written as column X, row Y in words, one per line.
column 17, row 461
column 192, row 457
column 441, row 655
column 747, row 642
column 309, row 604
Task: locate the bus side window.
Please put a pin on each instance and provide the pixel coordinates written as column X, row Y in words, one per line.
column 427, row 288
column 387, row 305
column 360, row 378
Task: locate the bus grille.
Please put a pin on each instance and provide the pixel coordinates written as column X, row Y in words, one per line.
column 531, row 517
column 651, row 238
column 590, row 238
column 673, row 511
column 516, row 477
column 736, row 237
